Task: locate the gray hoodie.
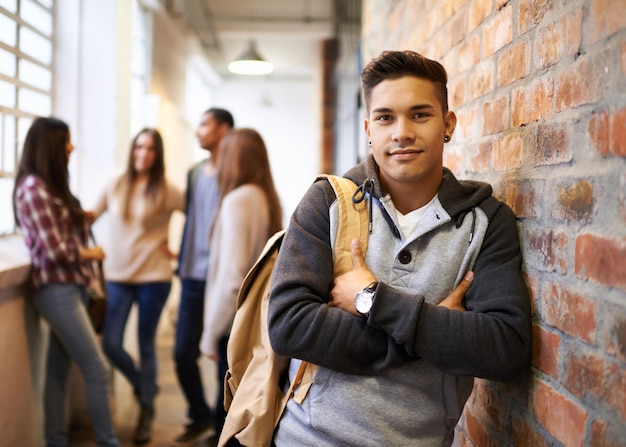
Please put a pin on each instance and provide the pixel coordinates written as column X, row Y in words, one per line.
column 402, row 376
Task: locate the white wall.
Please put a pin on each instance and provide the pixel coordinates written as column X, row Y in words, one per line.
column 286, row 113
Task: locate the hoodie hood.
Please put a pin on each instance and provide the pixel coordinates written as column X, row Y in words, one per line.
column 458, row 197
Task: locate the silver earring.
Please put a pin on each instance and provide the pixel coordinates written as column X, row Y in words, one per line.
column 446, row 138
column 369, row 143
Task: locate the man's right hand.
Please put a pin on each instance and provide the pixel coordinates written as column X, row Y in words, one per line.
column 455, row 299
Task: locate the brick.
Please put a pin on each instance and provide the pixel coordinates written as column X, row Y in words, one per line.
column 575, row 86
column 533, row 102
column 520, row 196
column 615, row 388
column 523, row 434
column 562, row 417
column 475, row 430
column 469, row 123
column 606, row 18
column 531, row 12
column 480, row 161
column 603, row 435
column 601, row 259
column 547, row 249
column 479, row 10
column 618, row 133
column 507, row 152
column 569, row 312
column 584, row 374
column 453, row 160
column 532, row 283
column 498, row 32
column 469, row 53
column 575, row 200
column 496, row 115
column 599, row 132
column 513, row 64
column 489, row 406
column 622, row 196
column 559, row 40
column 615, row 337
column 456, row 92
column 481, row 80
column 545, row 351
column 554, row 145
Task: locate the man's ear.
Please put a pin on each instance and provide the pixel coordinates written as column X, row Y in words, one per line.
column 449, row 122
column 366, row 126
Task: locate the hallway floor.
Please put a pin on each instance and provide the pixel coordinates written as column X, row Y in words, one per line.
column 170, row 408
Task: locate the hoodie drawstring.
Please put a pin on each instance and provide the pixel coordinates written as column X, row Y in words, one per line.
column 459, row 221
column 362, row 191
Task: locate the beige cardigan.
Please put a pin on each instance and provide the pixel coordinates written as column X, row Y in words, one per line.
column 133, row 252
column 238, row 237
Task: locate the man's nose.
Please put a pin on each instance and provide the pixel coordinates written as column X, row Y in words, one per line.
column 403, row 130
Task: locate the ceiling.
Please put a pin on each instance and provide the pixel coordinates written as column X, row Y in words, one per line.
column 286, row 32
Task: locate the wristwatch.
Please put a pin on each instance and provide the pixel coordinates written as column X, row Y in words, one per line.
column 365, row 298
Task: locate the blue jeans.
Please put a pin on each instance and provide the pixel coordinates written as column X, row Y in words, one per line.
column 150, row 298
column 187, row 352
column 72, row 337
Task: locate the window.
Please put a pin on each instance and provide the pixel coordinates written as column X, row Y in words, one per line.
column 26, row 59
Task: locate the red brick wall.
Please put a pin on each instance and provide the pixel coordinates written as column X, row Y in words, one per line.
column 539, row 88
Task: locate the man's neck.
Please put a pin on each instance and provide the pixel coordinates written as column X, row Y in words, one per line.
column 408, row 197
column 210, row 167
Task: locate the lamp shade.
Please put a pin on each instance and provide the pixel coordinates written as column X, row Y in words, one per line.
column 251, row 63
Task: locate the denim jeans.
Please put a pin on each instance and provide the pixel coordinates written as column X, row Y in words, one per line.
column 150, row 298
column 72, row 337
column 187, row 350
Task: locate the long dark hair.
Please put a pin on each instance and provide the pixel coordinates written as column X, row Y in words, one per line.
column 243, row 159
column 45, row 155
column 156, row 175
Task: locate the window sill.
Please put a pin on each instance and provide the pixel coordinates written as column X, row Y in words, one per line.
column 14, row 262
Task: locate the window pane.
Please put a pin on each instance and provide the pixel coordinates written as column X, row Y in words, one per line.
column 34, row 102
column 35, row 75
column 7, row 94
column 6, row 216
column 8, row 143
column 46, row 3
column 36, row 16
column 11, row 5
column 35, row 45
column 7, row 63
column 8, row 30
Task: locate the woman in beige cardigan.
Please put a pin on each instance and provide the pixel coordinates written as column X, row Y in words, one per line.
column 249, row 214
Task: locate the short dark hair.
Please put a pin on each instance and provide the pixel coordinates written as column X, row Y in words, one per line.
column 397, row 64
column 222, row 116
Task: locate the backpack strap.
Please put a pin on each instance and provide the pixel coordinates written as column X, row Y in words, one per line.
column 353, row 223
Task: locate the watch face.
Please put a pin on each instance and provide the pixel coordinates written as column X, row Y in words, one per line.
column 363, row 301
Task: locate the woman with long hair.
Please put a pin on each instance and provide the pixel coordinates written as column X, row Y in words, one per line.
column 56, row 230
column 138, row 267
column 249, row 213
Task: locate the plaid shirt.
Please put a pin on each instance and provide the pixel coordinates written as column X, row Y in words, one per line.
column 50, row 234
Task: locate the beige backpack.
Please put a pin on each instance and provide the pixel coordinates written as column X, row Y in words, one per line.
column 253, row 396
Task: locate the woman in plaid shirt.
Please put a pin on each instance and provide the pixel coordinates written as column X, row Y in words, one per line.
column 55, row 230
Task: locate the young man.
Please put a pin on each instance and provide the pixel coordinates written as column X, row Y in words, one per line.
column 201, row 205
column 397, row 351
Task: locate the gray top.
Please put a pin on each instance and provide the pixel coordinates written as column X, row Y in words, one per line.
column 201, row 212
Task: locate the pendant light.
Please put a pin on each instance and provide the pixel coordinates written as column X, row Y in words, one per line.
column 251, row 63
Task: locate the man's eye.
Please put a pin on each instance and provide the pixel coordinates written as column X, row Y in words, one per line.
column 384, row 118
column 421, row 115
